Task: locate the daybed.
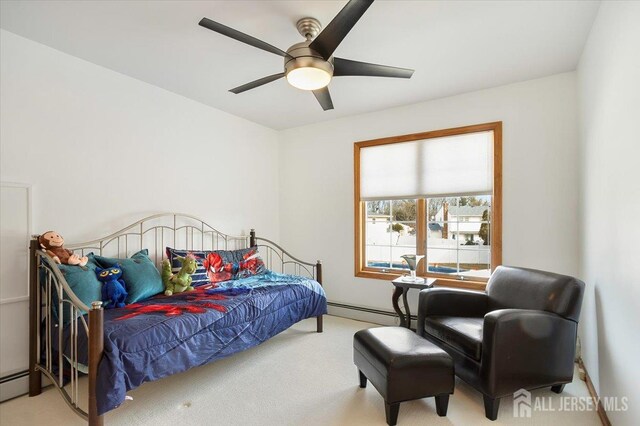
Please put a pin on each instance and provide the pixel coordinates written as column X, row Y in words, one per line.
column 119, row 349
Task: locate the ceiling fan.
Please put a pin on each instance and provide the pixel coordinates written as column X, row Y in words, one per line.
column 310, row 65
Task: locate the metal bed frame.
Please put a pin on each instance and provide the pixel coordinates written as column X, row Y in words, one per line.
column 153, row 233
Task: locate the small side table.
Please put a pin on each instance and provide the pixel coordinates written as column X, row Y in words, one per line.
column 402, row 288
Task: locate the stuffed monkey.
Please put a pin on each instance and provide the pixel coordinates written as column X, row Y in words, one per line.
column 53, row 243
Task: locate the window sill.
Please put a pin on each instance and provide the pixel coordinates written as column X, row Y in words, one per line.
column 440, row 281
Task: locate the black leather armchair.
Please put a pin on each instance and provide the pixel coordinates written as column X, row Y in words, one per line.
column 519, row 334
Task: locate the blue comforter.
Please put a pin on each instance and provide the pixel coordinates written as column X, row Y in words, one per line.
column 163, row 335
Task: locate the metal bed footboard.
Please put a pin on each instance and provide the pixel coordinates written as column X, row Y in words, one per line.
column 279, row 260
column 48, row 287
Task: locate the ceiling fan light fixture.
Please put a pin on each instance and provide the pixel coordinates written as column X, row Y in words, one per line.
column 310, row 65
column 308, row 78
column 305, row 69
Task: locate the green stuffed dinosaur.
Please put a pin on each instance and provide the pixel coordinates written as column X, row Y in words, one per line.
column 180, row 282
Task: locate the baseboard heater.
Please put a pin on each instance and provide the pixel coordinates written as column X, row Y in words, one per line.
column 13, row 385
column 373, row 311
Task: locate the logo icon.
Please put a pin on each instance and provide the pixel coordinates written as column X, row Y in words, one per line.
column 522, row 403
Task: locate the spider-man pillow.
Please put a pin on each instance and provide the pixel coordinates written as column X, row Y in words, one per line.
column 220, row 265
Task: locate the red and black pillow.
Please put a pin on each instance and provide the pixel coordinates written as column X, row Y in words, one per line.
column 220, row 265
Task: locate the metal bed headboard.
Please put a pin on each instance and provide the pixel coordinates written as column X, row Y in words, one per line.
column 48, row 287
column 187, row 232
column 156, row 232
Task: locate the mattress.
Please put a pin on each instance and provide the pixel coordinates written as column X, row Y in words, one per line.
column 165, row 335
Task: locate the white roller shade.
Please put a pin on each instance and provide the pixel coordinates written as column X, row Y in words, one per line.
column 451, row 165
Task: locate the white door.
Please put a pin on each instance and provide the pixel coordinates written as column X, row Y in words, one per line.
column 15, row 231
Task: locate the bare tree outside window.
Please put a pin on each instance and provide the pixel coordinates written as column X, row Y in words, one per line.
column 484, row 228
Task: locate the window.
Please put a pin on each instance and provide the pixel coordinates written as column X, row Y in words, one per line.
column 436, row 194
column 390, row 232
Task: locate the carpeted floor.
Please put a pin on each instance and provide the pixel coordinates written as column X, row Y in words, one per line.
column 297, row 378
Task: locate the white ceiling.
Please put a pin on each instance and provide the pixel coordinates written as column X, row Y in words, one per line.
column 454, row 46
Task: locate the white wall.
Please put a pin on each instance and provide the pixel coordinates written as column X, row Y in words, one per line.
column 609, row 99
column 103, row 150
column 540, row 179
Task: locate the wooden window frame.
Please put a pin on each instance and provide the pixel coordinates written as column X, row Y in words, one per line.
column 361, row 270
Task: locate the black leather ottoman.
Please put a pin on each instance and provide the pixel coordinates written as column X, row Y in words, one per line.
column 403, row 366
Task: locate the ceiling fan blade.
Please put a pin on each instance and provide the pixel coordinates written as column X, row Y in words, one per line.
column 257, row 83
column 323, row 96
column 342, row 67
column 333, row 34
column 237, row 35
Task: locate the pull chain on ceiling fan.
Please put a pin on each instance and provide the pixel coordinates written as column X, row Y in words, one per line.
column 310, row 65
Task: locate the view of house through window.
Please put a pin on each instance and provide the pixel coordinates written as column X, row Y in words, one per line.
column 458, row 236
column 457, row 233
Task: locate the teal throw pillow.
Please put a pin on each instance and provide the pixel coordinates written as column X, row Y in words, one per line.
column 139, row 273
column 84, row 283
